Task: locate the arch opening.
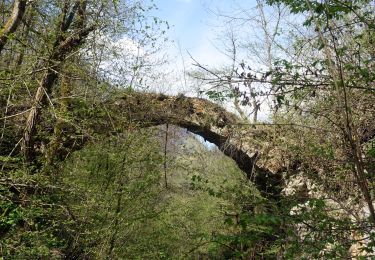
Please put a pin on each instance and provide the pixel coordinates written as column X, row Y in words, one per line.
column 205, row 119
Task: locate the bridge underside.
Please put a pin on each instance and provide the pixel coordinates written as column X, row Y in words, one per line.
column 205, row 119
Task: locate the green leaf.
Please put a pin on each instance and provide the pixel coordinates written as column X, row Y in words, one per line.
column 371, row 152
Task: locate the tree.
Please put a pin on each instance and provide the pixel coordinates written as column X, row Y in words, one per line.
column 252, row 39
column 346, row 70
column 328, row 84
column 13, row 21
column 51, row 80
column 322, row 88
column 113, row 194
column 311, row 166
column 63, row 45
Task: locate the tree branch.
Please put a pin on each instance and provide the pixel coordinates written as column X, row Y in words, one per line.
column 12, row 23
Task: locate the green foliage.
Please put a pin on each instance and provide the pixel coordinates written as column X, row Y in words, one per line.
column 10, row 216
column 371, row 149
column 108, row 200
column 29, row 223
column 253, row 223
column 218, row 95
column 114, row 191
column 330, row 9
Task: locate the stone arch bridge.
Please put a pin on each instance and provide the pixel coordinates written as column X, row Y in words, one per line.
column 208, row 120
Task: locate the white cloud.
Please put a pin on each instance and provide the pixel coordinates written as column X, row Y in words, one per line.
column 128, row 45
column 207, row 54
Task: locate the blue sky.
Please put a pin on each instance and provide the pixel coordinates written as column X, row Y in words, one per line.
column 194, row 27
column 188, row 20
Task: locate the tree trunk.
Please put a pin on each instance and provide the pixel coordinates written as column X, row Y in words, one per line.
column 12, row 23
column 62, row 47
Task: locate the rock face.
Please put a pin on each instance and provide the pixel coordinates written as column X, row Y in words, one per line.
column 208, row 120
